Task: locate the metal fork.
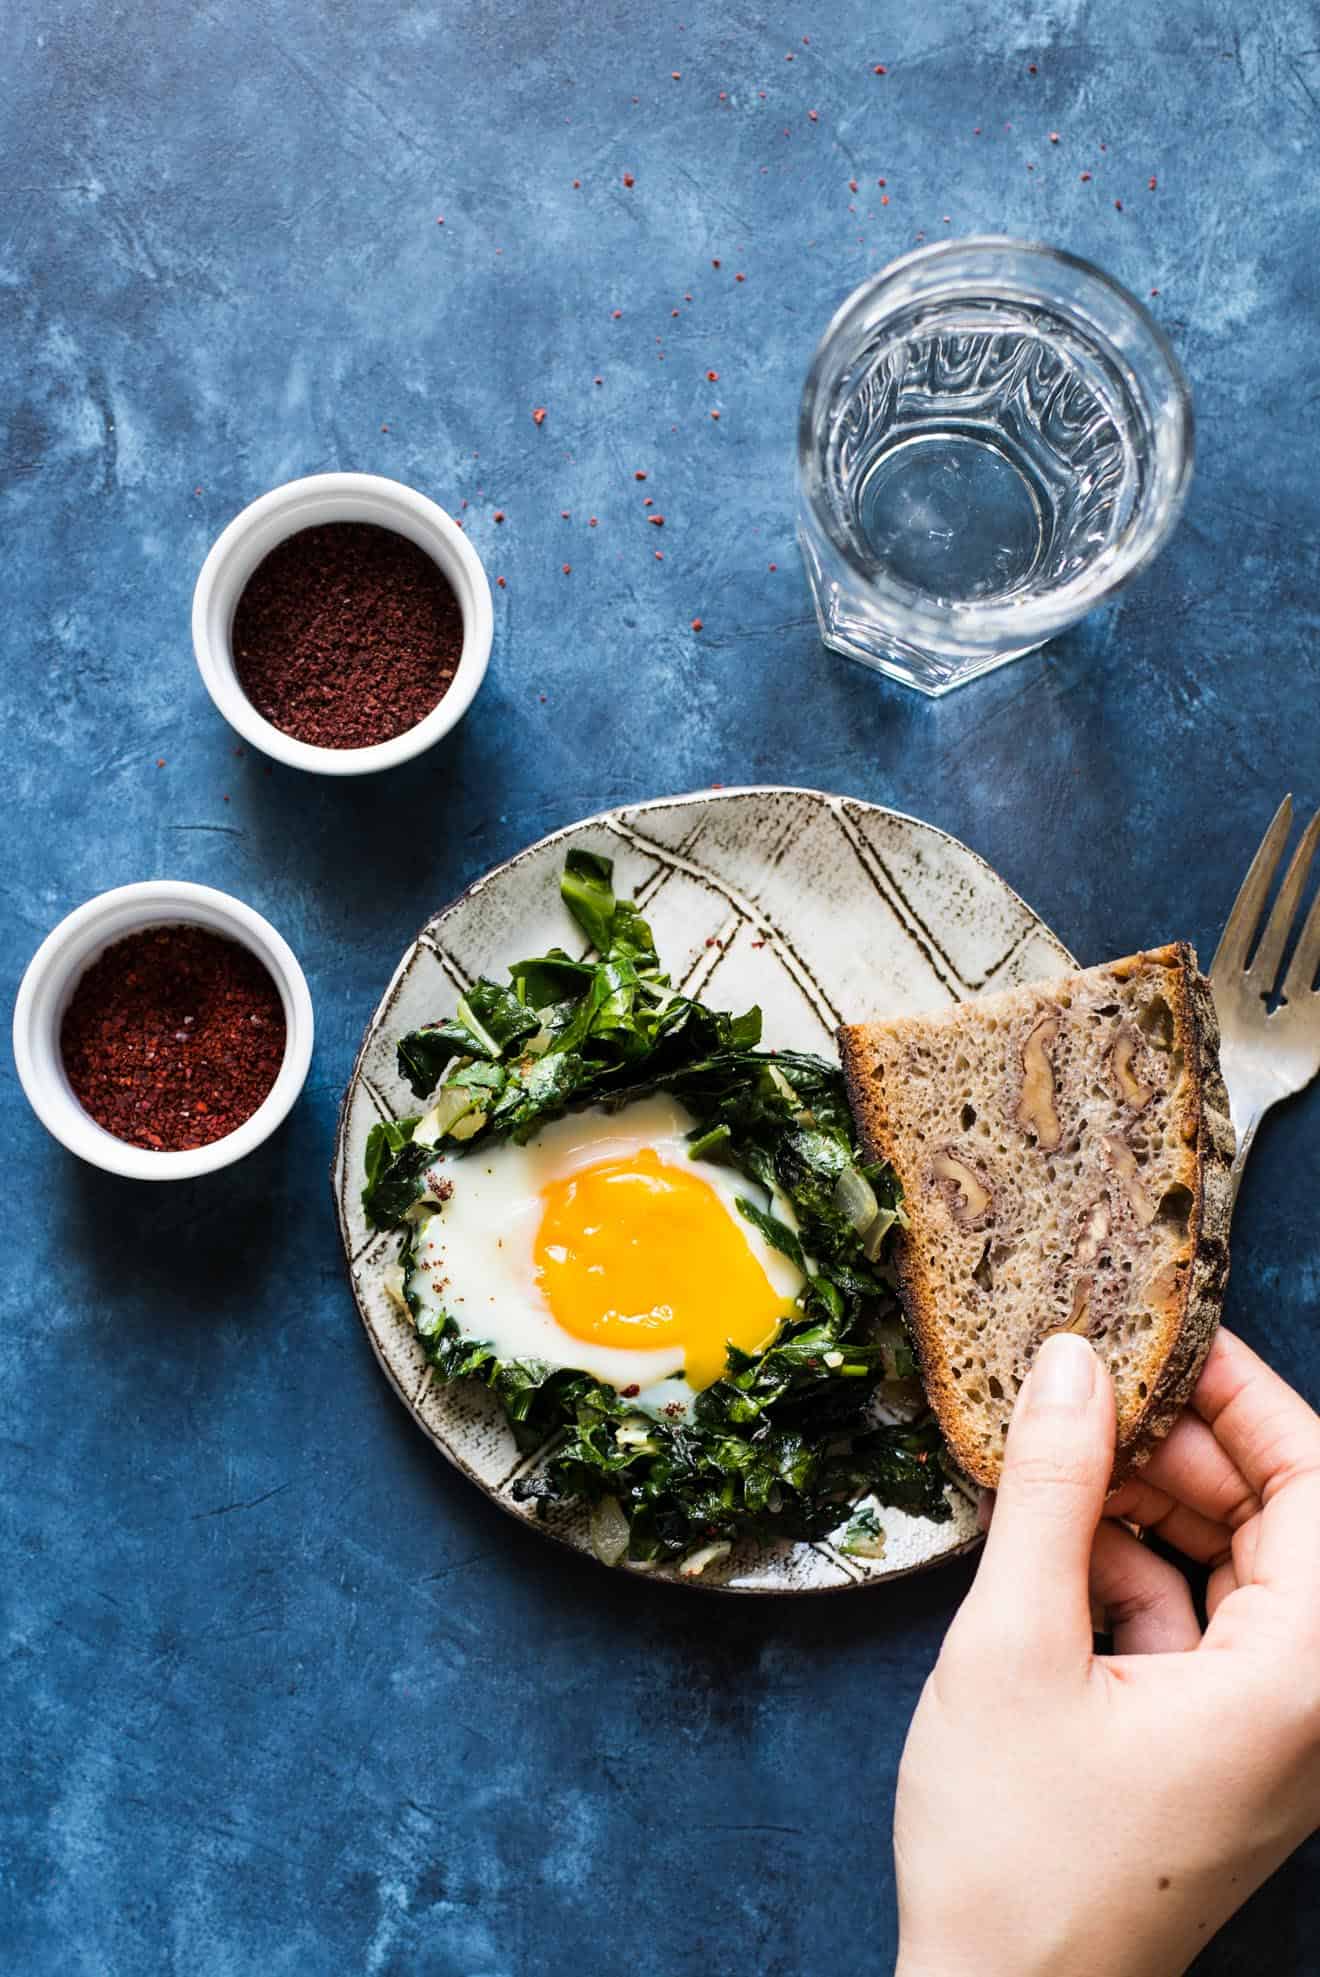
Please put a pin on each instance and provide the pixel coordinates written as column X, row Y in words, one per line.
column 1268, row 1054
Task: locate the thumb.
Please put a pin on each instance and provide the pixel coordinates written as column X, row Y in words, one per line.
column 1031, row 1587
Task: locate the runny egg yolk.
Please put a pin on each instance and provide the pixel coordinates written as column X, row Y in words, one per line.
column 633, row 1253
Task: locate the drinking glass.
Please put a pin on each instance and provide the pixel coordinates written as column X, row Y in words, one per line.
column 994, row 436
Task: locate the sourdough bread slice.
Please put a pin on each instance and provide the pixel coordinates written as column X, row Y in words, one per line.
column 1064, row 1151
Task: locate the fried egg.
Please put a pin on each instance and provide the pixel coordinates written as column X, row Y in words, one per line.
column 603, row 1247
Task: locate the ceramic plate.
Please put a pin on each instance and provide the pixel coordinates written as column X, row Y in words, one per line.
column 820, row 909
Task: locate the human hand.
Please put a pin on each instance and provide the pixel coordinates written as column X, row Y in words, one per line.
column 1066, row 1814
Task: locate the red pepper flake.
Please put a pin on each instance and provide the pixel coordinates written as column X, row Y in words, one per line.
column 659, row 555
column 714, row 415
column 160, row 761
column 648, row 503
column 880, row 69
column 1151, row 184
column 696, row 624
column 440, row 222
column 673, row 312
column 882, row 183
column 577, row 185
column 616, row 314
column 173, row 1037
column 714, row 264
column 788, row 58
column 628, row 179
column 656, row 521
column 724, row 96
column 629, row 1393
column 676, row 75
column 687, row 298
column 538, row 416
column 1086, row 178
column 591, row 521
column 598, row 380
column 1054, row 137
column 884, row 198
column 1031, row 68
column 813, row 116
column 563, row 514
column 712, row 377
column 773, row 566
column 638, row 475
column 567, row 569
column 740, row 277
column 1154, row 291
column 1118, row 205
column 976, row 131
column 500, row 581
column 852, row 185
column 498, row 515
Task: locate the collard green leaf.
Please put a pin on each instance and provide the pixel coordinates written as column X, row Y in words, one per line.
column 782, row 1444
column 394, row 1167
column 587, row 888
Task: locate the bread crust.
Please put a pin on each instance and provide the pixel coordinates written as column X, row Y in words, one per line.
column 1187, row 1318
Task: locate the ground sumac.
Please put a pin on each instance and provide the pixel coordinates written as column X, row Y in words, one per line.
column 173, row 1037
column 346, row 635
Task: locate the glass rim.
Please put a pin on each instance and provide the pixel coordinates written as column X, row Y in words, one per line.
column 972, row 626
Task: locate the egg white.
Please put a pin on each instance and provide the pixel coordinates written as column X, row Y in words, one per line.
column 474, row 1259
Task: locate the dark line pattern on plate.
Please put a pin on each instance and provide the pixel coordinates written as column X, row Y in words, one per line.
column 460, row 978
column 887, row 888
column 809, row 988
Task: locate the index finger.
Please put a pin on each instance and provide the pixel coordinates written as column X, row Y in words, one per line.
column 1273, row 1437
column 1268, row 1432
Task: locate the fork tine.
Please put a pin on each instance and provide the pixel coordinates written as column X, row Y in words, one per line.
column 1231, row 953
column 1301, row 971
column 1265, row 961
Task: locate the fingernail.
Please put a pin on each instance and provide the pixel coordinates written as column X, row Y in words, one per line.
column 1063, row 1374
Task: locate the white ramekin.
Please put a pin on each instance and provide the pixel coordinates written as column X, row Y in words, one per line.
column 66, row 954
column 305, row 504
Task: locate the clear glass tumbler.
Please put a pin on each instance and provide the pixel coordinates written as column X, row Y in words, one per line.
column 993, row 437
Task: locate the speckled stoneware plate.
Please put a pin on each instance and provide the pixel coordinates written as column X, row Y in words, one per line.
column 820, row 909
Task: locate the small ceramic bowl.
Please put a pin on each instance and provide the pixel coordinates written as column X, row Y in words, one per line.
column 66, row 954
column 305, row 504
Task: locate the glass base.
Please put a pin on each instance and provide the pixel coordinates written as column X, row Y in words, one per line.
column 847, row 625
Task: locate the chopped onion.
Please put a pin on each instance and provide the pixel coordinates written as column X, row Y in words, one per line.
column 781, row 1084
column 635, row 1433
column 874, row 1239
column 854, row 1198
column 392, row 1284
column 696, row 1562
column 464, row 1128
column 609, row 1531
column 452, row 1103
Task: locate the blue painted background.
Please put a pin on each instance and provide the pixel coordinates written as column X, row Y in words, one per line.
column 281, row 1692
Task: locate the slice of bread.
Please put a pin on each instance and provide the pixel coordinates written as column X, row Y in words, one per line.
column 1064, row 1151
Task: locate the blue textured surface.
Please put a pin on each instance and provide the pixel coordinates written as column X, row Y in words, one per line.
column 282, row 1693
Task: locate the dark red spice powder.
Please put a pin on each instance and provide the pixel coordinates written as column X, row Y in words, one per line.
column 173, row 1037
column 346, row 635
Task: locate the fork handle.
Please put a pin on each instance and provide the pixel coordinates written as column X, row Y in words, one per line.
column 1245, row 1139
